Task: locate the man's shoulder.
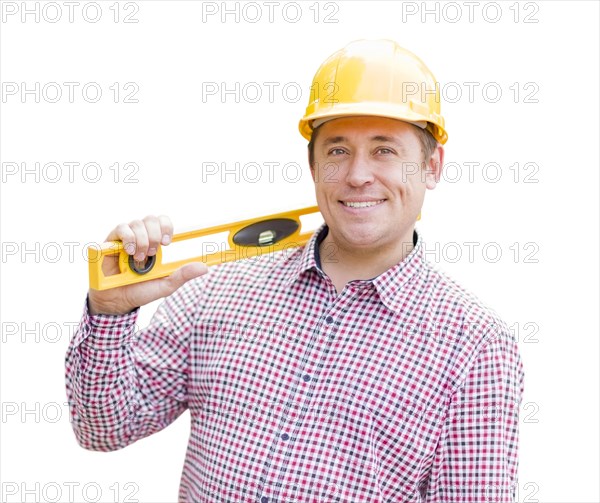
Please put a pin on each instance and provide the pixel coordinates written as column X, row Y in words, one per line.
column 464, row 325
column 453, row 305
column 265, row 266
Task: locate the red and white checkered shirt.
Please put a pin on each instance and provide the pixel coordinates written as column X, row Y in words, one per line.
column 402, row 388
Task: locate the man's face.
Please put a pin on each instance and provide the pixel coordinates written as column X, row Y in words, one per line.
column 370, row 179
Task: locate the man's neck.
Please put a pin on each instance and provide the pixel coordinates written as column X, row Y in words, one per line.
column 343, row 265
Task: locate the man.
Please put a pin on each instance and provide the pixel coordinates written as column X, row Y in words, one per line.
column 349, row 370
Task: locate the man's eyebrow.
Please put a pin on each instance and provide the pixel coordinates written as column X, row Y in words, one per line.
column 341, row 139
column 334, row 139
column 387, row 139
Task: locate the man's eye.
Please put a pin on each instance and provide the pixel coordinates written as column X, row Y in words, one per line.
column 384, row 150
column 336, row 151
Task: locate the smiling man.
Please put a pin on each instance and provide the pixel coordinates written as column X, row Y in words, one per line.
column 350, row 370
column 381, row 173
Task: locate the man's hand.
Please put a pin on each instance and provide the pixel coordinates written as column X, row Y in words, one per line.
column 141, row 239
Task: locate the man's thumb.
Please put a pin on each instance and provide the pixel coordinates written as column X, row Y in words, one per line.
column 183, row 275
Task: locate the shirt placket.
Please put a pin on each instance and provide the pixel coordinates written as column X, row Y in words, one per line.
column 299, row 408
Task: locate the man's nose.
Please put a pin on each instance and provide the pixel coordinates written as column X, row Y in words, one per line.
column 359, row 170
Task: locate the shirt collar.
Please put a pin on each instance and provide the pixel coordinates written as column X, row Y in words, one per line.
column 392, row 285
column 309, row 257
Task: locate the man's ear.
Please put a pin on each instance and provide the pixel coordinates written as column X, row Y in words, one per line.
column 434, row 167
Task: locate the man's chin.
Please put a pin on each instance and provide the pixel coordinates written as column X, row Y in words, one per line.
column 355, row 238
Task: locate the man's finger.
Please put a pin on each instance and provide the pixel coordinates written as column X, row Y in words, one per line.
column 167, row 229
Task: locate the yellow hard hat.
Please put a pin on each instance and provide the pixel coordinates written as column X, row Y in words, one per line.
column 375, row 77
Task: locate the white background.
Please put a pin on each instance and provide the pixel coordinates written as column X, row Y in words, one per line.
column 548, row 292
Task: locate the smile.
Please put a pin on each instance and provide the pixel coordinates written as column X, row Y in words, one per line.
column 362, row 204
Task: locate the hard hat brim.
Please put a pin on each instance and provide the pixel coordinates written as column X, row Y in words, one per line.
column 435, row 123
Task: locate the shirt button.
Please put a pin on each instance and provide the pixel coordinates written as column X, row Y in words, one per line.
column 329, row 319
column 285, row 436
column 264, row 499
column 306, row 377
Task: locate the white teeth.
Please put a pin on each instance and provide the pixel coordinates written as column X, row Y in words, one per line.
column 365, row 204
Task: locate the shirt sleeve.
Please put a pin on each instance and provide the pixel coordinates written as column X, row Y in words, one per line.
column 477, row 457
column 123, row 384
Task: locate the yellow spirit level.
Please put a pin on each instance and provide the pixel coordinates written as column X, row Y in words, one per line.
column 247, row 238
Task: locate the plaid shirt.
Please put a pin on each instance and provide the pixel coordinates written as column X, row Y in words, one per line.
column 402, row 388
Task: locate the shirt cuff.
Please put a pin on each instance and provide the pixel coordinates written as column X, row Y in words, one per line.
column 106, row 331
